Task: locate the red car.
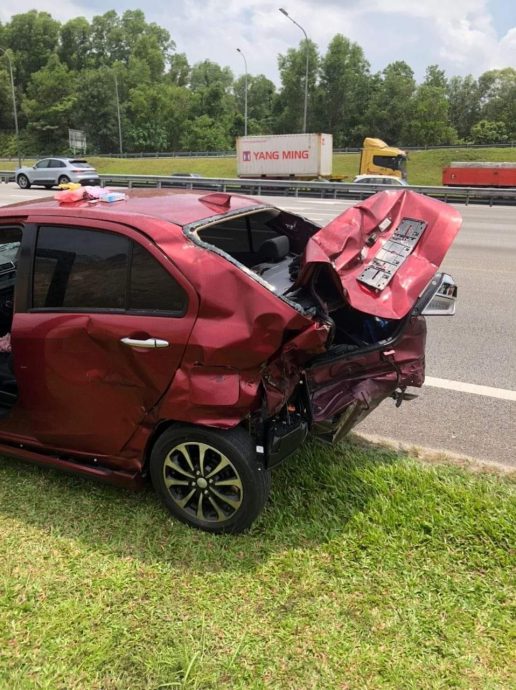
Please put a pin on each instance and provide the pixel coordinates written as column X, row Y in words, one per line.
column 198, row 338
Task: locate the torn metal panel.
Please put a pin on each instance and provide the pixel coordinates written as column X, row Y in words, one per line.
column 383, row 252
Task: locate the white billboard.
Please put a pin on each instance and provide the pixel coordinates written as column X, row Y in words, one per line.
column 77, row 140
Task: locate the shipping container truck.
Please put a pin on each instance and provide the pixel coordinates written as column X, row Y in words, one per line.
column 285, row 156
column 474, row 174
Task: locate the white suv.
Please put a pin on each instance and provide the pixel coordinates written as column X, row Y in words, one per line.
column 49, row 172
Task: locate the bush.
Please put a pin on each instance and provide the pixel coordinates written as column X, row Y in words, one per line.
column 489, row 132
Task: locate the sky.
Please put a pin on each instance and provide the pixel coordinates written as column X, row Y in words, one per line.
column 461, row 36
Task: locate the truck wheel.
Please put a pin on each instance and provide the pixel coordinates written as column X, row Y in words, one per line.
column 210, row 478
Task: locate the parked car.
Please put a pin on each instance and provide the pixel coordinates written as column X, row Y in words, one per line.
column 199, row 338
column 380, row 180
column 49, row 172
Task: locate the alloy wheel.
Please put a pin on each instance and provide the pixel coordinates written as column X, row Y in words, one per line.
column 203, row 482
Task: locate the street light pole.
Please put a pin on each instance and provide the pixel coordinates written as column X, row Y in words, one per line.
column 118, row 111
column 245, row 92
column 306, row 70
column 15, row 114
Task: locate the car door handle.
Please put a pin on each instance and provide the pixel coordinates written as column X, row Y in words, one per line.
column 148, row 344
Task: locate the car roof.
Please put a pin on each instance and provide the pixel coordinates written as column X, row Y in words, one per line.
column 174, row 206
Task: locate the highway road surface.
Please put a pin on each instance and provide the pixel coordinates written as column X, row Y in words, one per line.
column 468, row 403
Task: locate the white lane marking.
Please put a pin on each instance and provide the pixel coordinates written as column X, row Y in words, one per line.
column 488, row 391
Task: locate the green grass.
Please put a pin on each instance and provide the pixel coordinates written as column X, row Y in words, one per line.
column 368, row 570
column 424, row 167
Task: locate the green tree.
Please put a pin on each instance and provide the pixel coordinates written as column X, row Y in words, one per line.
column 157, row 117
column 6, row 102
column 206, row 73
column 179, row 72
column 115, row 39
column 343, row 90
column 212, row 87
column 32, row 37
column 260, row 102
column 391, row 93
column 464, row 104
column 75, row 44
column 498, row 94
column 435, row 77
column 289, row 105
column 49, row 105
column 427, row 119
column 489, row 132
column 95, row 109
column 206, row 134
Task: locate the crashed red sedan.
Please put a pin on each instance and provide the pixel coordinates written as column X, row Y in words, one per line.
column 199, row 339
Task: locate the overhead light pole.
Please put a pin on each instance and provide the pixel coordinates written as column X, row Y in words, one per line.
column 118, row 112
column 306, row 70
column 245, row 92
column 15, row 114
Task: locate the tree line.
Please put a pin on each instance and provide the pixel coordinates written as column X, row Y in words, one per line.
column 65, row 74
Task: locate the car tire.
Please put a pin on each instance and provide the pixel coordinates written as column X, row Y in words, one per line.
column 23, row 182
column 63, row 179
column 210, row 478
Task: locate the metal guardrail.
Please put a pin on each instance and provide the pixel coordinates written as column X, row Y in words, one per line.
column 322, row 190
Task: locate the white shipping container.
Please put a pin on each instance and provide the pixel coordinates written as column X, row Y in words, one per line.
column 285, row 155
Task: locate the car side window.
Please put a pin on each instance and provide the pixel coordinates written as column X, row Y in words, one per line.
column 83, row 269
column 152, row 288
column 242, row 237
column 56, row 164
column 42, row 164
column 232, row 235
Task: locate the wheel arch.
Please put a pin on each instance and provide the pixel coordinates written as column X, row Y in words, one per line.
column 167, row 424
column 209, row 477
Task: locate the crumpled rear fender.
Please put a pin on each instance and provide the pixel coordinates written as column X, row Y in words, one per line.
column 246, row 342
column 346, row 390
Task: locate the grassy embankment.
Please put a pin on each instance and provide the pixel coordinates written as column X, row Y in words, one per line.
column 424, row 167
column 368, row 570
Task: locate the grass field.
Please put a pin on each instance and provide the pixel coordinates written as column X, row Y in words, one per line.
column 424, row 167
column 368, row 570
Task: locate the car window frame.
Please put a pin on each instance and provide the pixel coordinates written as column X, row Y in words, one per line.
column 28, row 256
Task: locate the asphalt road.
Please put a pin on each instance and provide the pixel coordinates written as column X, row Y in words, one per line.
column 468, row 405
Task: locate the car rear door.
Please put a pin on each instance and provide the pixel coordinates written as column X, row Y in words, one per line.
column 97, row 336
column 56, row 168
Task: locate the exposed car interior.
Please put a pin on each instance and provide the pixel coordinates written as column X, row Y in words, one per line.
column 271, row 244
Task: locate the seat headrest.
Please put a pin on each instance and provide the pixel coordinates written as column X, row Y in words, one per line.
column 275, row 249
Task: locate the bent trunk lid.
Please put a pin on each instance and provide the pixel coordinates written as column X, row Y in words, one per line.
column 382, row 253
